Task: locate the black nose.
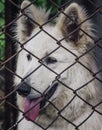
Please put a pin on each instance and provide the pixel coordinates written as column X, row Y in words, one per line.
column 23, row 89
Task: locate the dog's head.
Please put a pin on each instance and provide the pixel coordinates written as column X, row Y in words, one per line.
column 47, row 60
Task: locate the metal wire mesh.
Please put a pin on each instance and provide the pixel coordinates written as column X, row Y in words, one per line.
column 8, row 100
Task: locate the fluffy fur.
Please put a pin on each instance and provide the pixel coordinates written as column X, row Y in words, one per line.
column 76, row 76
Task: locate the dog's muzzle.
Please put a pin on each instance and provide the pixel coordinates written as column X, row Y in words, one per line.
column 33, row 106
column 24, row 90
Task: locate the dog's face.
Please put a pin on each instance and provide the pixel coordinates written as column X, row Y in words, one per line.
column 45, row 62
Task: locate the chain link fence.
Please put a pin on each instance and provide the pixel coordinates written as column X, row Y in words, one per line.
column 8, row 56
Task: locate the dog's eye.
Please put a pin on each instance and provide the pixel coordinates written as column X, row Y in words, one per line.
column 50, row 60
column 29, row 57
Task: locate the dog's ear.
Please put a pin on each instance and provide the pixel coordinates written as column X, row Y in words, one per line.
column 30, row 18
column 73, row 25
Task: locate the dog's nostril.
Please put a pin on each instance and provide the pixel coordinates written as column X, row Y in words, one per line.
column 24, row 89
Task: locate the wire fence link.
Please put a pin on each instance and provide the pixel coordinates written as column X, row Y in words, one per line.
column 8, row 106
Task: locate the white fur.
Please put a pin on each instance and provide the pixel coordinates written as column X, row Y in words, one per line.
column 74, row 77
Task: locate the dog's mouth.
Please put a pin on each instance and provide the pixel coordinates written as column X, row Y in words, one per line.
column 33, row 107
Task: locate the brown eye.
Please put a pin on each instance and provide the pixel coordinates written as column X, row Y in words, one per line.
column 29, row 57
column 50, row 60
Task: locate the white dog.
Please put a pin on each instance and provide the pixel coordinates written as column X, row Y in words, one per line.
column 56, row 85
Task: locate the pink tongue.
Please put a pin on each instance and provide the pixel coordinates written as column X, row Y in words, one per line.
column 31, row 109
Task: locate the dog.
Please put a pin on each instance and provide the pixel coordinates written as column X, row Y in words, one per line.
column 56, row 81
